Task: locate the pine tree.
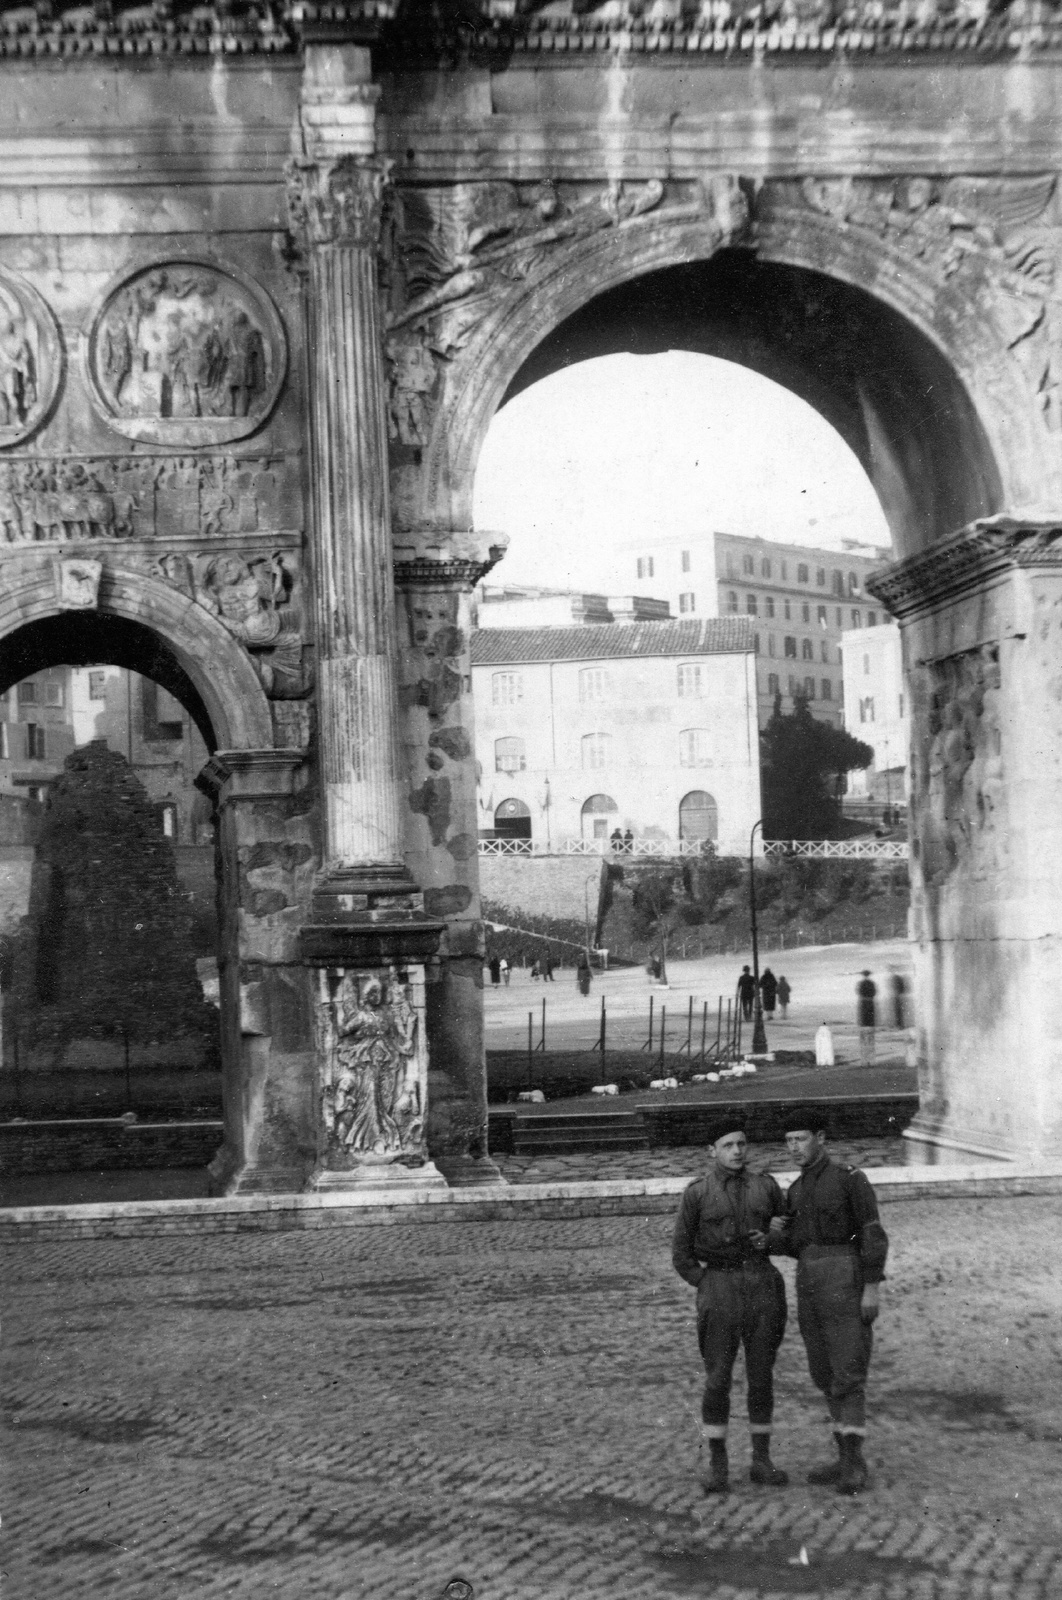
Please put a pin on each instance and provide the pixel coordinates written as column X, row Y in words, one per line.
column 800, row 762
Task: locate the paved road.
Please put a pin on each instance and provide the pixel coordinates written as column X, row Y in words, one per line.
column 823, row 980
column 372, row 1412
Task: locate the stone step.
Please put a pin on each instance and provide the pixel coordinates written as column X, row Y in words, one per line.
column 578, row 1132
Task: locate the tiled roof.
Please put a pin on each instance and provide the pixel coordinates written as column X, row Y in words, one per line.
column 692, row 636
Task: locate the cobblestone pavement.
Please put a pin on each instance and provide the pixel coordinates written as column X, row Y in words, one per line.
column 376, row 1411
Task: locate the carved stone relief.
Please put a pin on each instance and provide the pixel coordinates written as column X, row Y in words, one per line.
column 183, row 353
column 145, row 497
column 999, row 235
column 957, row 776
column 30, row 359
column 449, row 255
column 256, row 597
column 77, row 583
column 374, row 1069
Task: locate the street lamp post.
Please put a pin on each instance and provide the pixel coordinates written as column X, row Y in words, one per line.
column 759, row 1035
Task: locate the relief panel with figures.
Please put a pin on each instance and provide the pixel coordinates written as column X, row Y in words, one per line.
column 30, row 360
column 374, row 1069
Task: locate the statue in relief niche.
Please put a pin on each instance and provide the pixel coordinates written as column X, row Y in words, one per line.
column 252, row 599
column 18, row 372
column 373, row 1104
column 30, row 359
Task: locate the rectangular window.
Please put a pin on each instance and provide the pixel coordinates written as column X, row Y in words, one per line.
column 809, row 688
column 770, row 644
column 827, row 689
column 840, row 617
column 97, row 685
column 807, row 649
column 805, row 612
column 35, row 745
column 768, row 606
column 687, row 601
column 752, row 605
column 645, row 566
column 596, row 750
column 822, row 616
column 695, row 748
column 756, row 643
column 685, row 561
column 901, row 705
column 772, row 683
column 640, row 564
column 731, row 569
column 5, row 743
column 837, row 584
column 825, row 651
column 790, row 648
column 506, row 688
column 509, row 755
column 689, row 681
column 732, row 601
column 748, row 566
column 857, row 619
column 53, row 692
column 27, row 693
column 820, row 577
column 785, row 570
column 853, row 583
column 802, row 572
column 594, row 684
column 866, row 709
column 787, row 607
column 872, row 619
column 794, row 687
column 765, row 567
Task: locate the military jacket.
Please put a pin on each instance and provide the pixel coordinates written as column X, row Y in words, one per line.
column 831, row 1204
column 716, row 1215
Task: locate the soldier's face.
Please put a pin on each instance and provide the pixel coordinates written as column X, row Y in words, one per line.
column 804, row 1146
column 731, row 1152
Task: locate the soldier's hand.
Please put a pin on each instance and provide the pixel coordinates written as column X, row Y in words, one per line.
column 757, row 1239
column 779, row 1225
column 868, row 1305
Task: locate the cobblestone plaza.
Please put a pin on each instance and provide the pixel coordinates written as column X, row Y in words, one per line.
column 377, row 1411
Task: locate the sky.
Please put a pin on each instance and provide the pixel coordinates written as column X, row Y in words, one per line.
column 625, row 448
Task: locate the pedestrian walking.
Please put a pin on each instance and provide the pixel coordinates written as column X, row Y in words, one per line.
column 866, row 1016
column 615, row 839
column 583, row 972
column 547, row 969
column 746, row 992
column 494, row 968
column 832, row 1228
column 768, row 992
column 628, row 842
column 720, row 1247
column 784, row 991
column 505, row 971
column 898, row 995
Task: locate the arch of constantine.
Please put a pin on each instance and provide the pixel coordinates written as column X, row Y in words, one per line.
column 266, row 273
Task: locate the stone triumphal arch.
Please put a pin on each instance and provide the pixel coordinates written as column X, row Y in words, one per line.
column 266, row 273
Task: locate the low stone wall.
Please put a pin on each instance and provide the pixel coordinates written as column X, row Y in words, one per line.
column 541, row 886
column 105, row 1144
column 881, row 1116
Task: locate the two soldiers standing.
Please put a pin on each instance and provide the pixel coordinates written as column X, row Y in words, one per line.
column 729, row 1223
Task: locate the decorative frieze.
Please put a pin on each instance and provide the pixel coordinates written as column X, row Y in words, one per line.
column 31, row 359
column 969, row 558
column 185, row 353
column 335, row 202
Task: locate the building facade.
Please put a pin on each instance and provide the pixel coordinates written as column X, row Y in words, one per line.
column 877, row 711
column 800, row 602
column 648, row 728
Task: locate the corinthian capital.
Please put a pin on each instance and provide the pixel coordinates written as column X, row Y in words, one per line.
column 336, row 202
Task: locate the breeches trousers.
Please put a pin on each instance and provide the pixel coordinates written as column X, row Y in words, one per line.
column 837, row 1340
column 745, row 1308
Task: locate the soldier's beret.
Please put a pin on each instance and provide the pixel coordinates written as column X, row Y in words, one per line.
column 722, row 1123
column 816, row 1119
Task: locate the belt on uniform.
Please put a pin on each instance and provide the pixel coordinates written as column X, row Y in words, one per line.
column 734, row 1266
column 811, row 1251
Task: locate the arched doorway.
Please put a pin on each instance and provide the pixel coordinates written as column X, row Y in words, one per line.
column 598, row 816
column 698, row 818
column 512, row 820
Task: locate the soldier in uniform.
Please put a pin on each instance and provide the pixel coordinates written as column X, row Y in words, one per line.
column 831, row 1226
column 720, row 1247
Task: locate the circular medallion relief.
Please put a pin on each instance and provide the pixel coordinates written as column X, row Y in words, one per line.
column 186, row 353
column 31, row 359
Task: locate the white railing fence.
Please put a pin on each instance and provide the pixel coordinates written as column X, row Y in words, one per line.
column 668, row 849
column 839, row 849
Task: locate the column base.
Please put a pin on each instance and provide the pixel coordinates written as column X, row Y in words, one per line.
column 229, row 1174
column 469, row 1172
column 377, row 1175
column 930, row 1142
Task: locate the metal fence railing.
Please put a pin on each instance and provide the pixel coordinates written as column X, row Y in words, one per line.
column 840, row 849
column 660, row 848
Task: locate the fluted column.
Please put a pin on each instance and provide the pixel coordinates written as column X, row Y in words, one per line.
column 334, row 207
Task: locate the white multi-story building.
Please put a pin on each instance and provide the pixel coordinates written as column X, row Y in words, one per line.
column 800, row 601
column 877, row 712
column 647, row 727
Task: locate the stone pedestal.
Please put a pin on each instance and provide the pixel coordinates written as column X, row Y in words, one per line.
column 434, row 578
column 265, row 860
column 367, row 938
column 981, row 615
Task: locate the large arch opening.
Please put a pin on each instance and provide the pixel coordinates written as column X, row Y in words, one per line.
column 887, row 389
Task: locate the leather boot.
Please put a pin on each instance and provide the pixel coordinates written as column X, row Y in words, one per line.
column 763, row 1469
column 830, row 1471
column 715, row 1478
column 853, row 1475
